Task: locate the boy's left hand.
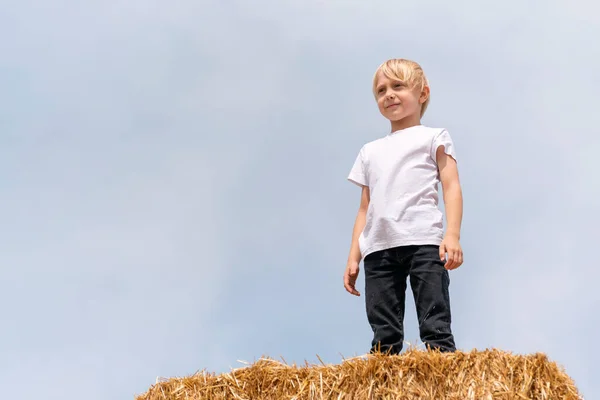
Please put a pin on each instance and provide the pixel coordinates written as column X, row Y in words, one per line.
column 451, row 246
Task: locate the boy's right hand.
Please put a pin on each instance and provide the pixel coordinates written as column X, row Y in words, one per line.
column 350, row 276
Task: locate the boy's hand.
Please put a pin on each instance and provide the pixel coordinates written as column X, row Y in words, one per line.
column 350, row 276
column 451, row 246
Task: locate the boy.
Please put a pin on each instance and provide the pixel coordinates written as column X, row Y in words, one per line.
column 398, row 230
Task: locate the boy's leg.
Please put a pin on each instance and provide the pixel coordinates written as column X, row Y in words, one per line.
column 429, row 281
column 385, row 288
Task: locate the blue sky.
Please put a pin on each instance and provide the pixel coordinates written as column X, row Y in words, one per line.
column 174, row 194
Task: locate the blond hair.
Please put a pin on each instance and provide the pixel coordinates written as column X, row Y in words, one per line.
column 406, row 71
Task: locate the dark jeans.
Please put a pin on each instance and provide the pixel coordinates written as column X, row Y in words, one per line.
column 385, row 286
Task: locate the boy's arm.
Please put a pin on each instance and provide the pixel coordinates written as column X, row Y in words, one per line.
column 453, row 203
column 354, row 257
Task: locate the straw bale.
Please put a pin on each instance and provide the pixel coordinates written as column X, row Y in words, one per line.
column 415, row 374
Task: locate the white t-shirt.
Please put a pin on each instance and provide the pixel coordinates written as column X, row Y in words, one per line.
column 401, row 172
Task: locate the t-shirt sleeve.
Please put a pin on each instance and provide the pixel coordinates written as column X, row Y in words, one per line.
column 443, row 139
column 358, row 173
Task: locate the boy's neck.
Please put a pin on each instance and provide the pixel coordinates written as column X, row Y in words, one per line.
column 407, row 122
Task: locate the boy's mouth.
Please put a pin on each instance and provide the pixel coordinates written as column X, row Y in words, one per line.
column 393, row 105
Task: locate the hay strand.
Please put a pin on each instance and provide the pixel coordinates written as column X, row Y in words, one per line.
column 416, row 374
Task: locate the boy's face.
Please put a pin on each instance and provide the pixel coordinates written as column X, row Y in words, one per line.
column 396, row 100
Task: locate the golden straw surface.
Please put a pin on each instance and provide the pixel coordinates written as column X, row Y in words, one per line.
column 415, row 374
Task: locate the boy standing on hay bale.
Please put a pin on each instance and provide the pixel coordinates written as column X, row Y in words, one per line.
column 398, row 231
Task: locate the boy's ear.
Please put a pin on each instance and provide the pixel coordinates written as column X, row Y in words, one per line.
column 424, row 94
